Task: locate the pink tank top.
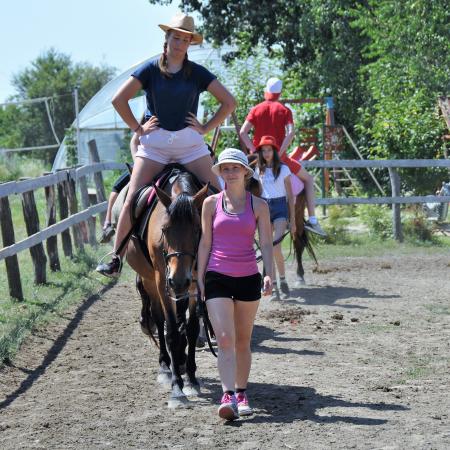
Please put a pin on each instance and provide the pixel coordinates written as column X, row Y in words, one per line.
column 232, row 251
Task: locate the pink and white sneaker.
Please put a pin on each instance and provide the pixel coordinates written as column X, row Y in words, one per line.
column 242, row 403
column 228, row 408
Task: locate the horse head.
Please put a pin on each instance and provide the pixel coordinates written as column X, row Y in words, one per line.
column 181, row 228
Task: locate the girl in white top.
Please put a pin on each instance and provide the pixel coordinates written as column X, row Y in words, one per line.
column 275, row 179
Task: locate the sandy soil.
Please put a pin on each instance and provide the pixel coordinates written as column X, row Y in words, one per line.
column 359, row 358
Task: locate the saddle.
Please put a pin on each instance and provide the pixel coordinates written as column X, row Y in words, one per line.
column 145, row 201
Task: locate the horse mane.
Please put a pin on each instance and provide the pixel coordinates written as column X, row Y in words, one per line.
column 182, row 209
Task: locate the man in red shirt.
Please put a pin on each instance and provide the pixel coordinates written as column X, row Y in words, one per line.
column 274, row 119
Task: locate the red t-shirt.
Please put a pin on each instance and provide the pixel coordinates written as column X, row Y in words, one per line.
column 270, row 118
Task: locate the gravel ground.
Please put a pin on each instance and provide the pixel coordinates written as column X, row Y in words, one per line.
column 358, row 358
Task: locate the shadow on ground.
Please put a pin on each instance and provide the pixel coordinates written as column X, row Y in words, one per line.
column 279, row 403
column 54, row 350
column 329, row 295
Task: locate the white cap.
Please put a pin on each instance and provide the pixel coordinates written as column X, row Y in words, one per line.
column 232, row 155
column 274, row 86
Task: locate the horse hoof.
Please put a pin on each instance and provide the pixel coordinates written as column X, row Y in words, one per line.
column 300, row 282
column 178, row 402
column 182, row 369
column 191, row 390
column 164, row 378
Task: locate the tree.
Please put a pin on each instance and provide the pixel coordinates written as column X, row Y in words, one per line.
column 52, row 74
column 314, row 37
column 408, row 67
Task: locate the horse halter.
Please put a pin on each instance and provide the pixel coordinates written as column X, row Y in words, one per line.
column 176, row 254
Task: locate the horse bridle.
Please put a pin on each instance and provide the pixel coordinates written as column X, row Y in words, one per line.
column 176, row 254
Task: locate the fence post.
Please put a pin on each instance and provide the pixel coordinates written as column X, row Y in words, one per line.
column 52, row 241
column 12, row 263
column 32, row 225
column 396, row 216
column 98, row 177
column 86, row 203
column 73, row 209
column 63, row 214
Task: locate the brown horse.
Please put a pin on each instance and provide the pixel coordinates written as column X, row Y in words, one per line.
column 301, row 239
column 165, row 281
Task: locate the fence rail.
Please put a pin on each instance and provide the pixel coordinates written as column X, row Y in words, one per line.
column 60, row 190
column 379, row 163
column 395, row 199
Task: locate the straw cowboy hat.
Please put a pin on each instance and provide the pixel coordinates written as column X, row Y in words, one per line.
column 184, row 23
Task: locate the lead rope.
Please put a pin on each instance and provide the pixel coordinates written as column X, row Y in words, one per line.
column 203, row 313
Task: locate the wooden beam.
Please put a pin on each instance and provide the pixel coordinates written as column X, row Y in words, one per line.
column 98, row 177
column 396, row 216
column 379, row 163
column 51, row 231
column 32, row 225
column 52, row 241
column 63, row 214
column 12, row 263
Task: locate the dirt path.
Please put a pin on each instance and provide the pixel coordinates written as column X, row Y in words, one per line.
column 358, row 359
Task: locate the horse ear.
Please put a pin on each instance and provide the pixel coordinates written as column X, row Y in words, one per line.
column 200, row 196
column 162, row 196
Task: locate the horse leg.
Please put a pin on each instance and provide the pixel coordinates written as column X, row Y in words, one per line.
column 181, row 306
column 164, row 374
column 147, row 322
column 177, row 397
column 300, row 238
column 192, row 386
column 152, row 314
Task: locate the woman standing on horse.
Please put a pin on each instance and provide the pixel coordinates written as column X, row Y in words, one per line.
column 228, row 277
column 172, row 85
column 275, row 178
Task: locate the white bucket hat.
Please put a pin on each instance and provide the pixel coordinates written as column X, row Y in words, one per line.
column 184, row 23
column 273, row 86
column 233, row 156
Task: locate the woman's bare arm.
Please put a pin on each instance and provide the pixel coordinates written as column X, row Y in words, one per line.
column 227, row 106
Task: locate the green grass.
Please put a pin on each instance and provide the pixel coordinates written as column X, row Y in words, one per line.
column 362, row 245
column 44, row 303
column 75, row 282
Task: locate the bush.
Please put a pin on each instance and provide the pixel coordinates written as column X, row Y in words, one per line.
column 335, row 226
column 15, row 167
column 417, row 228
column 378, row 220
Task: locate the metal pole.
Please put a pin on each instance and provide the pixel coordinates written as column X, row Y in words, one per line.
column 77, row 117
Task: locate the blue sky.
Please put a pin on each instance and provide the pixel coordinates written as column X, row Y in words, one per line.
column 117, row 32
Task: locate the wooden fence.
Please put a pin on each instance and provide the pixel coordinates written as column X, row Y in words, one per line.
column 60, row 190
column 395, row 199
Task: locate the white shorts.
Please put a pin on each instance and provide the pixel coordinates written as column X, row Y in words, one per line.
column 163, row 146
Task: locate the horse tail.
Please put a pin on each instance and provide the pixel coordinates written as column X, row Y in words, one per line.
column 146, row 315
column 302, row 239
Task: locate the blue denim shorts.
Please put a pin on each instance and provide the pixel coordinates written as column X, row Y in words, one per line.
column 278, row 208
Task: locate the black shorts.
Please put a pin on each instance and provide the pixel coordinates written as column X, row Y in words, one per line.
column 237, row 288
column 121, row 182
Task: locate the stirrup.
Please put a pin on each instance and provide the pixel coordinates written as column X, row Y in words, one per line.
column 114, row 254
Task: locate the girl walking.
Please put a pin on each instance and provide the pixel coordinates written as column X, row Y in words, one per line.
column 275, row 178
column 228, row 277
